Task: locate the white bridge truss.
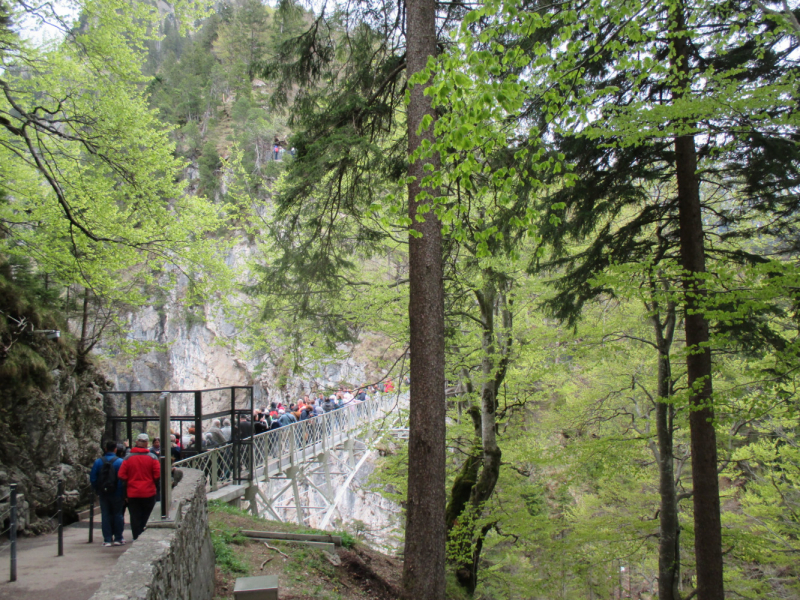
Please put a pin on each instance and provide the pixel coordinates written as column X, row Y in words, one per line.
column 294, row 470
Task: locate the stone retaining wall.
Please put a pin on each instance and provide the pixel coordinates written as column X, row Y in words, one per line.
column 168, row 562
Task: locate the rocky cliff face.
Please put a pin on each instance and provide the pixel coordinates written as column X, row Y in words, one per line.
column 195, row 353
column 51, row 408
column 49, row 433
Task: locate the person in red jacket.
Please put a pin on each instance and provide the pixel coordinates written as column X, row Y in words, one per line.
column 140, row 470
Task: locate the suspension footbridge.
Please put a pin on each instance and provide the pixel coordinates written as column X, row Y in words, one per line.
column 320, row 456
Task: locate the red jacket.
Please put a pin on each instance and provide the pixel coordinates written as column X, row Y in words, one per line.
column 140, row 471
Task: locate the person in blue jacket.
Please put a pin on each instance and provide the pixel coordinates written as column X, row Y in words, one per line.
column 110, row 492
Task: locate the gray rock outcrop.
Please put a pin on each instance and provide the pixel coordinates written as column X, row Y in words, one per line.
column 49, row 432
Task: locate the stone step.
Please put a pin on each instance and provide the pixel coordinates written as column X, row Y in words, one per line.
column 264, row 587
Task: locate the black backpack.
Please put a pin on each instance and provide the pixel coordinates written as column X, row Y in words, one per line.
column 107, row 479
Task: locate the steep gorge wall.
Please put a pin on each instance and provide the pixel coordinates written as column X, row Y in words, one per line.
column 49, row 433
column 51, row 408
column 195, row 352
column 363, row 511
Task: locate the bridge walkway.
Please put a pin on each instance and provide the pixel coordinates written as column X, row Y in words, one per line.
column 289, row 453
column 42, row 575
column 273, row 452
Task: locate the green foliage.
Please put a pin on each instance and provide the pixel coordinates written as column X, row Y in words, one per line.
column 241, row 109
column 348, row 541
column 454, row 591
column 191, row 140
column 224, row 539
column 224, row 507
column 209, row 163
column 391, row 476
column 23, row 368
column 182, row 87
column 243, row 39
column 460, row 542
column 27, row 303
column 94, row 198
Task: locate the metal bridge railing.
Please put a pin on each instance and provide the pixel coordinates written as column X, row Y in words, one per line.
column 286, row 446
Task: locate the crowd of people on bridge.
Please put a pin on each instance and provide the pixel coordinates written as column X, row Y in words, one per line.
column 130, row 477
column 280, row 414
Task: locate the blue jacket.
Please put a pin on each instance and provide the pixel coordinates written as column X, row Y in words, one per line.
column 95, row 474
column 287, row 419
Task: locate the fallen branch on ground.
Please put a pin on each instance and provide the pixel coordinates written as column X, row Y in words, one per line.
column 276, row 550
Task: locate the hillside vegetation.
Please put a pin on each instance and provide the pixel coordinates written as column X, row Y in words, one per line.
column 617, row 191
column 355, row 573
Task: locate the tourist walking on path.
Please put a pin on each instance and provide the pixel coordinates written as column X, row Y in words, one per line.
column 140, row 471
column 110, row 492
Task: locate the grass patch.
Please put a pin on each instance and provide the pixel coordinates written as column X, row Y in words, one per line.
column 224, row 539
column 305, row 572
column 218, row 506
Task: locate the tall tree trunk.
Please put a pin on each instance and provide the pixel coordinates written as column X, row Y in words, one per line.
column 669, row 542
column 424, row 556
column 83, row 342
column 481, row 470
column 705, row 482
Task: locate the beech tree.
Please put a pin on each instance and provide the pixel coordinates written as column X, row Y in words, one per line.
column 94, row 190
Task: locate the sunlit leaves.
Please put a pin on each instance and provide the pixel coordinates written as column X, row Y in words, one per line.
column 94, row 189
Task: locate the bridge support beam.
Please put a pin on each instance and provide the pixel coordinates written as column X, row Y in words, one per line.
column 293, row 473
column 250, row 497
column 325, row 461
column 268, row 505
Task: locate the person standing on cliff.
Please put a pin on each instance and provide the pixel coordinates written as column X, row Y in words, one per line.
column 111, row 495
column 140, row 471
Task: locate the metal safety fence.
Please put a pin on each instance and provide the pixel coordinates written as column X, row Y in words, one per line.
column 13, row 524
column 275, row 450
